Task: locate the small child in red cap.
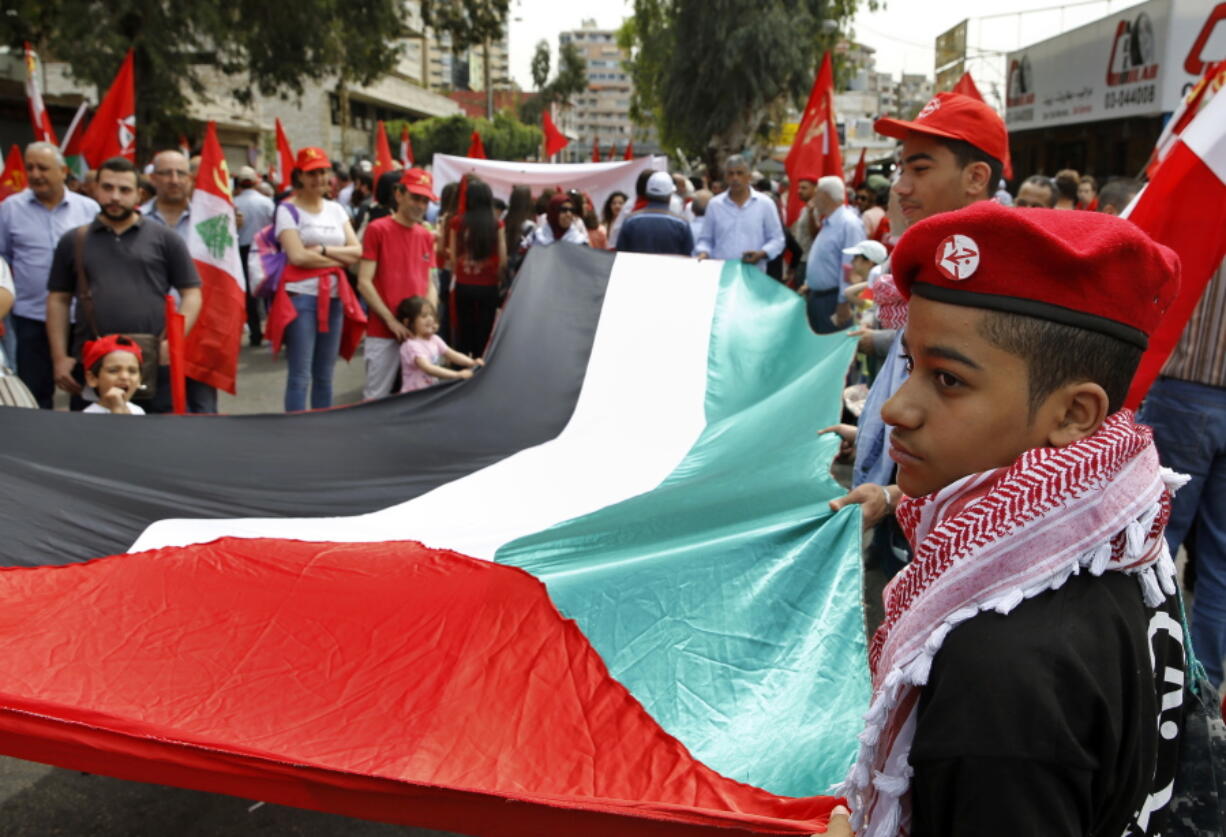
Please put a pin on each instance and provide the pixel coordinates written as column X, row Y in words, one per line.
column 1029, row 673
column 112, row 369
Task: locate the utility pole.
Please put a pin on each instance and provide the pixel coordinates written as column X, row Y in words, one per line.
column 489, row 88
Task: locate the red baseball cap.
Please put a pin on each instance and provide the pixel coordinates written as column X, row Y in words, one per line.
column 419, row 182
column 957, row 117
column 310, row 159
column 96, row 350
column 1084, row 269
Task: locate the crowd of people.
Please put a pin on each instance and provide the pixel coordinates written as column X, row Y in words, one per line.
column 371, row 245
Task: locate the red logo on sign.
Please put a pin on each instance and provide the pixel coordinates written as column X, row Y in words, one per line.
column 957, row 257
column 1133, row 52
column 1196, row 64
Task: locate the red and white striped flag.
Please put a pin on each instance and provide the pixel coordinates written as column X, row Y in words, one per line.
column 1191, row 162
column 211, row 355
column 43, row 132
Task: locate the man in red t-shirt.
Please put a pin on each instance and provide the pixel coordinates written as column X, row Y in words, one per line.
column 397, row 255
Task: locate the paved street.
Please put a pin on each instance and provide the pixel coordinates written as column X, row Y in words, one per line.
column 37, row 800
column 261, row 382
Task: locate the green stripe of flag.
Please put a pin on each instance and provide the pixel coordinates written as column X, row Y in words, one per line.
column 728, row 599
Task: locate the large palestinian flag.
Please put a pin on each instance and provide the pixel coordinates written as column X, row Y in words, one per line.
column 594, row 590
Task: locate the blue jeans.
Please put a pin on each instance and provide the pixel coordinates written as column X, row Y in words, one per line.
column 311, row 353
column 1189, row 422
column 34, row 358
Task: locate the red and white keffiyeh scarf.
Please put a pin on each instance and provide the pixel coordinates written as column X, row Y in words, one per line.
column 890, row 303
column 986, row 543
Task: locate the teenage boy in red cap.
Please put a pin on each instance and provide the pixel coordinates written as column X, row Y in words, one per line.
column 397, row 255
column 1029, row 674
column 953, row 155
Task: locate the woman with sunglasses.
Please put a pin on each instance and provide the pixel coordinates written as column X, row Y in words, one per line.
column 564, row 224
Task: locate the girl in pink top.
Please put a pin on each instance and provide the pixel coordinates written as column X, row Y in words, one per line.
column 422, row 355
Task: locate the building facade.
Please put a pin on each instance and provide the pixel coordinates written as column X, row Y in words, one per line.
column 601, row 114
column 1095, row 98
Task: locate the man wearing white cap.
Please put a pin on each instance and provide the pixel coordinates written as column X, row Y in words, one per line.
column 654, row 229
column 257, row 211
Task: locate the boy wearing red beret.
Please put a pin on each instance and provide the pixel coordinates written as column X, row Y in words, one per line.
column 1028, row 676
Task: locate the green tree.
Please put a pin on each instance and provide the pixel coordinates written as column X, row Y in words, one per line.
column 714, row 76
column 540, row 64
column 504, row 137
column 270, row 48
column 470, row 23
column 569, row 82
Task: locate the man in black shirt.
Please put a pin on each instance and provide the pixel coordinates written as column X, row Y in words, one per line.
column 130, row 265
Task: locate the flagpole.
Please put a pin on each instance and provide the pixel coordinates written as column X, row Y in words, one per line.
column 72, row 126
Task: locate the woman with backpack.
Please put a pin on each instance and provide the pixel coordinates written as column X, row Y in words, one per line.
column 315, row 305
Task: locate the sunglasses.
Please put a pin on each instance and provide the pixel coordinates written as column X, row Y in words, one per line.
column 569, row 209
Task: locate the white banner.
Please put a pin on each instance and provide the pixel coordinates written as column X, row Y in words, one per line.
column 1137, row 62
column 598, row 180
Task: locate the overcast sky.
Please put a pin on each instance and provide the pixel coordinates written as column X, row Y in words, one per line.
column 902, row 35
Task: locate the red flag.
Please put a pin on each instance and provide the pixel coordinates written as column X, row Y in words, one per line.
column 211, row 353
column 39, row 118
column 174, row 339
column 406, row 147
column 861, row 170
column 1196, row 230
column 112, row 133
column 13, row 178
column 595, row 149
column 966, row 86
column 383, row 152
column 476, row 148
column 285, row 159
column 555, row 140
column 185, row 147
column 629, row 155
column 815, row 152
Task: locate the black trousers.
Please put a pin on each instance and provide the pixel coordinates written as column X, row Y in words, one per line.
column 476, row 308
column 253, row 304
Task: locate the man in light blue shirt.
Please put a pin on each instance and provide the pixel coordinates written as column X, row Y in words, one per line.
column 841, row 229
column 740, row 223
column 31, row 224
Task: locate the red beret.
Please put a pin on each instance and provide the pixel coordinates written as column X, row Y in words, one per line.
column 1084, row 269
column 957, row 117
column 96, row 350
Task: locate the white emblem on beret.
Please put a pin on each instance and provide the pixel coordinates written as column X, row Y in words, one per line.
column 933, row 106
column 957, row 257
